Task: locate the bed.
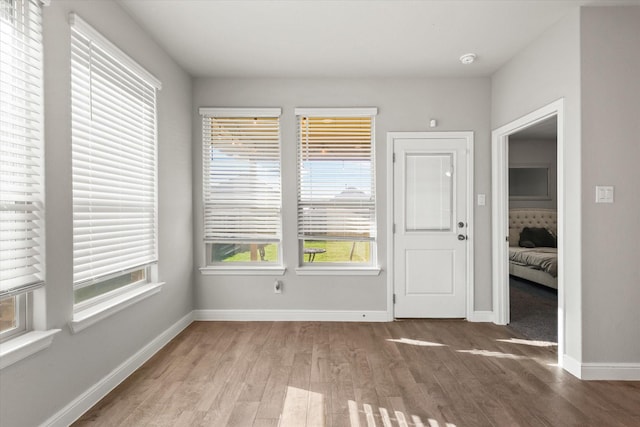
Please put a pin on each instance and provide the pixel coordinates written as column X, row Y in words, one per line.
column 537, row 264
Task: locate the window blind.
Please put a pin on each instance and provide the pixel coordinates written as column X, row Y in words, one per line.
column 21, row 147
column 113, row 110
column 336, row 187
column 241, row 174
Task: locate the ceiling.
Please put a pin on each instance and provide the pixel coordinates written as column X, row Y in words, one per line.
column 546, row 129
column 348, row 38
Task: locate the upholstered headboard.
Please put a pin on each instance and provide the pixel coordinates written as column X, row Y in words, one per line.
column 521, row 218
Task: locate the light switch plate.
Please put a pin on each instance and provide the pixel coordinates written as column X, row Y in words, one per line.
column 604, row 194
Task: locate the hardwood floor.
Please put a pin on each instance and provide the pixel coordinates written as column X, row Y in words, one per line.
column 408, row 373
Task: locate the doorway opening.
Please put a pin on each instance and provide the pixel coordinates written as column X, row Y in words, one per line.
column 533, row 229
column 528, row 191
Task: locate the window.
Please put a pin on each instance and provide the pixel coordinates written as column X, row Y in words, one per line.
column 241, row 186
column 114, row 162
column 21, row 161
column 336, row 186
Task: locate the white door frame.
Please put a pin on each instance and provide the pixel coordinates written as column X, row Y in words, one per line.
column 391, row 137
column 500, row 215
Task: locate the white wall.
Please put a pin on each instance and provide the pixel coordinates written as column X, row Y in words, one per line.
column 35, row 388
column 610, row 154
column 536, row 152
column 545, row 71
column 404, row 105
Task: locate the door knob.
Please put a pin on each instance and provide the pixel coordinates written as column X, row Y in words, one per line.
column 460, row 224
column 462, row 237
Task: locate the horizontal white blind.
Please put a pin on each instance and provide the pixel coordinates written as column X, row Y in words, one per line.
column 241, row 173
column 336, row 188
column 113, row 161
column 21, row 149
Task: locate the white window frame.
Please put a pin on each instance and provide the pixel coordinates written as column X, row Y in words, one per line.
column 103, row 305
column 101, row 298
column 238, row 268
column 29, row 336
column 338, row 268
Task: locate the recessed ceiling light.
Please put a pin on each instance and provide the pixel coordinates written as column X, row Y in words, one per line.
column 468, row 58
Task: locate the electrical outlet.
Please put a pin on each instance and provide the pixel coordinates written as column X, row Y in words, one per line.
column 277, row 287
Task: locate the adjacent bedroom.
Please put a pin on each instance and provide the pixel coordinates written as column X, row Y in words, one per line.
column 533, row 243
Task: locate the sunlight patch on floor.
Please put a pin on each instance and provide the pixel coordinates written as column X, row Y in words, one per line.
column 402, row 422
column 316, row 410
column 434, row 423
column 354, row 417
column 368, row 412
column 532, row 343
column 496, row 354
column 385, row 419
column 307, row 408
column 417, row 421
column 416, row 342
column 304, row 405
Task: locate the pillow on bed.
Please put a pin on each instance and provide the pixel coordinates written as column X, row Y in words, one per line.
column 539, row 237
column 527, row 244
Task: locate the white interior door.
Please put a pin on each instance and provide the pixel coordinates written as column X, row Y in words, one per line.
column 431, row 227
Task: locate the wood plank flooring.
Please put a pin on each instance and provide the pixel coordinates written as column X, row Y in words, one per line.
column 430, row 373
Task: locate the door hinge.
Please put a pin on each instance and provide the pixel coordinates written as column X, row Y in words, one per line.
column 394, row 157
column 394, row 298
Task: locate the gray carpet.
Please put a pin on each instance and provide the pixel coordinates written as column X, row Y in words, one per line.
column 534, row 310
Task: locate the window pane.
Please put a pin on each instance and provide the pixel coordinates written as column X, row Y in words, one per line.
column 244, row 252
column 101, row 288
column 241, row 182
column 241, row 185
column 336, row 191
column 8, row 311
column 336, row 251
column 336, row 185
column 429, row 192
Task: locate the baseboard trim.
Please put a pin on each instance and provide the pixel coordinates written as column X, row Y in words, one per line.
column 481, row 316
column 91, row 396
column 292, row 315
column 602, row 371
column 572, row 366
column 611, row 371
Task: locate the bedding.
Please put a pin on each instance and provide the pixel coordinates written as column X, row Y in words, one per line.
column 545, row 259
column 536, row 262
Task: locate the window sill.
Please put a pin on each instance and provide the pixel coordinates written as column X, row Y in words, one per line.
column 243, row 271
column 24, row 346
column 88, row 316
column 337, row 271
